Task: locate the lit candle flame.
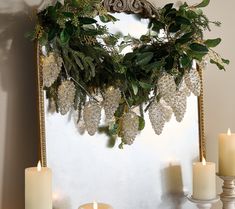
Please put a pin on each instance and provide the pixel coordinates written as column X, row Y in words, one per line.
column 203, row 161
column 39, row 167
column 229, row 132
column 95, row 205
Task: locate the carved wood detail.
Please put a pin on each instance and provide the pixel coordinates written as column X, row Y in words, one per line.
column 143, row 7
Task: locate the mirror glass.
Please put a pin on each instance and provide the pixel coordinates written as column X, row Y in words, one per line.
column 152, row 173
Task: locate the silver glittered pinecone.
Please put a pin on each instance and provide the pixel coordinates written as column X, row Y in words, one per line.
column 159, row 114
column 66, row 96
column 178, row 103
column 92, row 116
column 193, row 81
column 130, row 126
column 183, row 88
column 51, row 67
column 166, row 85
column 111, row 101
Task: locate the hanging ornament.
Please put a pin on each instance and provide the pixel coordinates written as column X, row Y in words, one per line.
column 166, row 85
column 92, row 116
column 130, row 126
column 178, row 103
column 193, row 81
column 159, row 114
column 51, row 67
column 111, row 101
column 66, row 95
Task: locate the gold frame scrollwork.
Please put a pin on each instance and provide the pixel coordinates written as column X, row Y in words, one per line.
column 144, row 8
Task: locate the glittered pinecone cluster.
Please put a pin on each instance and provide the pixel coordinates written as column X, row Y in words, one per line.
column 51, row 67
column 92, row 109
column 130, row 126
column 92, row 116
column 66, row 96
column 173, row 98
column 111, row 101
column 159, row 114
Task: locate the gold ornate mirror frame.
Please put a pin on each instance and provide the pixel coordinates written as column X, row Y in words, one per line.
column 146, row 9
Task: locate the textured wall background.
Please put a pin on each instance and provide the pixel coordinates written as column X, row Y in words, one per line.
column 18, row 143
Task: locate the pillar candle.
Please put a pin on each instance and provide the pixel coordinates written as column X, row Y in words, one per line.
column 38, row 188
column 227, row 154
column 204, row 180
column 95, row 206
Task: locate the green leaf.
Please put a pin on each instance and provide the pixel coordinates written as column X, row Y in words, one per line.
column 226, row 61
column 64, row 36
column 185, row 61
column 212, row 42
column 167, row 8
column 145, row 85
column 220, row 66
column 182, row 20
column 107, row 18
column 157, row 26
column 86, row 20
column 144, row 58
column 199, row 48
column 68, row 14
column 134, row 88
column 173, row 28
column 196, row 55
column 185, row 38
column 191, row 14
column 204, row 3
column 141, row 123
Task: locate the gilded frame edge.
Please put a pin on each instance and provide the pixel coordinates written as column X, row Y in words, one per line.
column 127, row 6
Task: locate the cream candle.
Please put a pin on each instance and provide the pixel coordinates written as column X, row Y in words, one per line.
column 38, row 188
column 95, row 205
column 227, row 154
column 204, row 180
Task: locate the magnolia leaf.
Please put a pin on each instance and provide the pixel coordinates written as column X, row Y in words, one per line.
column 199, row 48
column 87, row 20
column 204, row 3
column 212, row 42
column 182, row 20
column 185, row 61
column 144, row 58
column 145, row 85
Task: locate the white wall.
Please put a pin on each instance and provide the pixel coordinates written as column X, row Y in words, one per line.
column 18, row 142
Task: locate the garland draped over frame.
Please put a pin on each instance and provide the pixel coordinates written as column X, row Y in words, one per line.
column 85, row 70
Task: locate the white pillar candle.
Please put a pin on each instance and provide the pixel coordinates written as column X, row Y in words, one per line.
column 204, row 180
column 38, row 188
column 227, row 154
column 95, row 206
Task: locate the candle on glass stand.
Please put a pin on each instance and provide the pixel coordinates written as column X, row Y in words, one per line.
column 95, row 205
column 227, row 154
column 204, row 180
column 38, row 188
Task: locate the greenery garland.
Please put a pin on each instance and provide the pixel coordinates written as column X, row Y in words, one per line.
column 84, row 60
